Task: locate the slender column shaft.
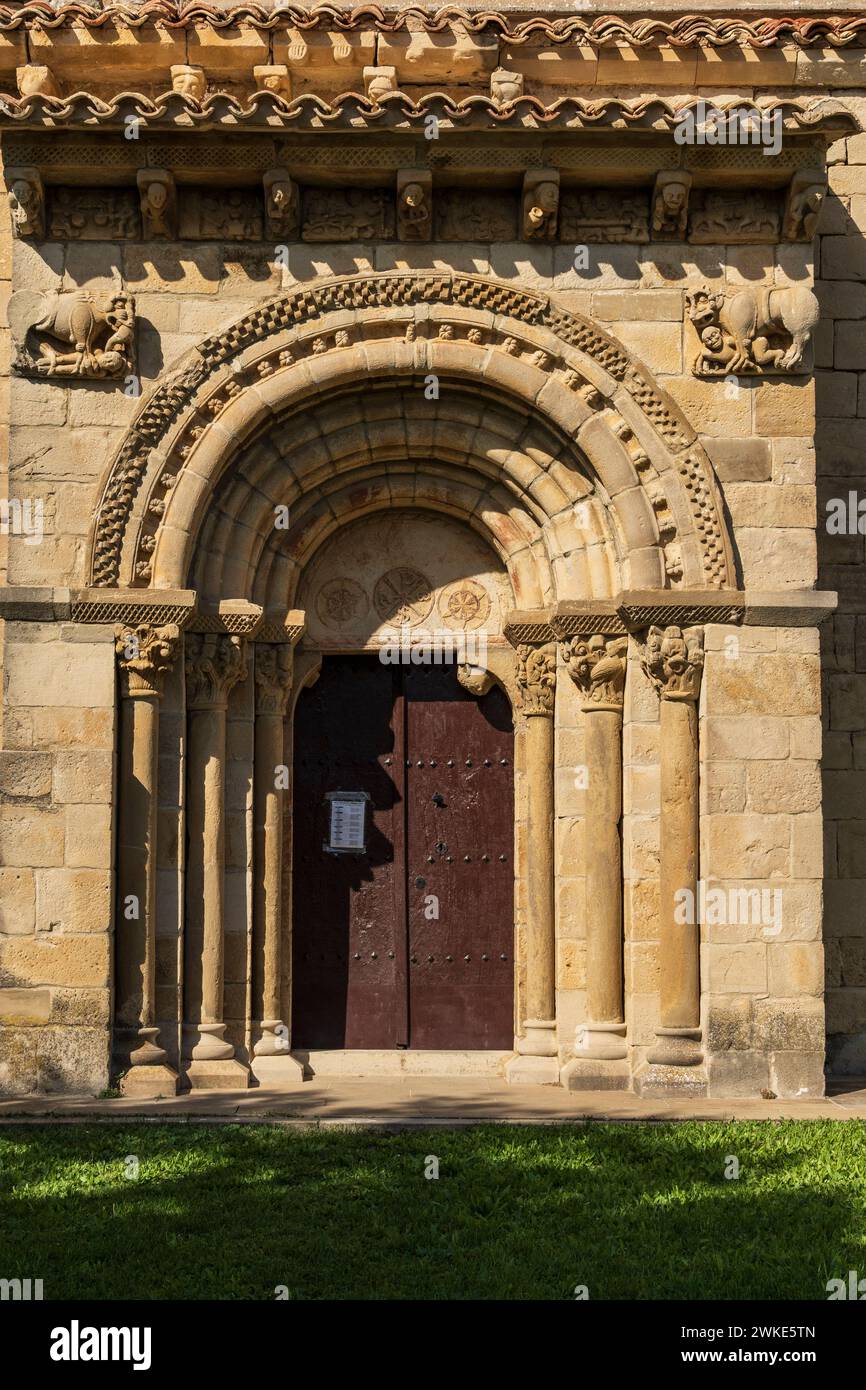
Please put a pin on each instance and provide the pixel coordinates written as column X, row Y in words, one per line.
column 206, row 868
column 540, row 939
column 604, row 867
column 214, row 662
column 680, row 993
column 673, row 659
column 273, row 678
column 597, row 664
column 144, row 654
column 536, row 684
column 269, row 862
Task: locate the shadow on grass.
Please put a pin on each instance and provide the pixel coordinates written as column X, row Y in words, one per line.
column 517, row 1213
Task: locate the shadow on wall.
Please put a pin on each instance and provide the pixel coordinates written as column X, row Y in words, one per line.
column 840, row 356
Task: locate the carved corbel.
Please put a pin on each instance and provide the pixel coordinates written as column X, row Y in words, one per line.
column 505, row 86
column 475, row 679
column 379, row 82
column 273, row 77
column 26, row 201
column 282, row 204
column 670, row 206
column 189, row 80
column 414, row 204
column 35, row 79
column 158, row 195
column 807, row 193
column 673, row 659
column 540, row 204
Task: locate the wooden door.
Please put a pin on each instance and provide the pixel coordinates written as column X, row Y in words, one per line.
column 412, row 943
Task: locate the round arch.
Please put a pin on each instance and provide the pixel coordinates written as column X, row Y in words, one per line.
column 456, row 392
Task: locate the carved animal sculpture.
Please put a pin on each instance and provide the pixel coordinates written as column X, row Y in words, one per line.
column 76, row 319
column 752, row 313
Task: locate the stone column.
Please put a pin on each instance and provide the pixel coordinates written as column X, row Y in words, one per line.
column 597, row 664
column 272, row 1063
column 537, row 1059
column 214, row 663
column 144, row 654
column 673, row 658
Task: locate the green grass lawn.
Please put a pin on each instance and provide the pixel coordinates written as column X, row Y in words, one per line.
column 231, row 1212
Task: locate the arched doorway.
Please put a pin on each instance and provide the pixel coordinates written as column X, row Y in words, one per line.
column 409, row 941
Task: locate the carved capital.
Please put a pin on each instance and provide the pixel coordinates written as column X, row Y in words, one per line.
column 273, row 676
column 673, row 658
column 597, row 665
column 144, row 654
column 536, row 679
column 215, row 662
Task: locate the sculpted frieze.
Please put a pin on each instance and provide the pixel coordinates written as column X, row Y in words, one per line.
column 603, row 215
column 347, row 214
column 221, row 214
column 764, row 331
column 732, row 216
column 93, row 214
column 464, row 215
column 80, row 334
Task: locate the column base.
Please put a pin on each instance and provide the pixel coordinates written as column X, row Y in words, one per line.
column 539, row 1038
column 217, row 1076
column 146, row 1051
column 584, row 1073
column 274, row 1039
column 604, row 1042
column 660, row 1082
column 283, row 1073
column 676, row 1047
column 149, row 1082
column 208, row 1043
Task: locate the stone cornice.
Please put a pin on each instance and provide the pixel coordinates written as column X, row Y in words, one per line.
column 604, row 31
column 397, row 111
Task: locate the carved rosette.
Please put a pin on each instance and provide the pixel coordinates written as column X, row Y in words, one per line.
column 673, row 658
column 273, row 676
column 597, row 665
column 144, row 654
column 536, row 679
column 215, row 661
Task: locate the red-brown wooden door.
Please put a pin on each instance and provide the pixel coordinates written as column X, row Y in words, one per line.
column 411, row 944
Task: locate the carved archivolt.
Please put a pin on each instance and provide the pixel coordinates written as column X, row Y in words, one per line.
column 352, row 330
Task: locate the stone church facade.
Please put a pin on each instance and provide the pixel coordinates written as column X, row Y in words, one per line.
column 335, row 340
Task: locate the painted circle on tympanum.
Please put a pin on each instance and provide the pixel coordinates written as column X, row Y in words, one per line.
column 341, row 601
column 402, row 595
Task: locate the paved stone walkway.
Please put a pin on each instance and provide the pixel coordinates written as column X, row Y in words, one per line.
column 409, row 1101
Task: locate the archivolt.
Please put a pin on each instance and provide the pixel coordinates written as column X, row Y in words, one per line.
column 563, row 409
